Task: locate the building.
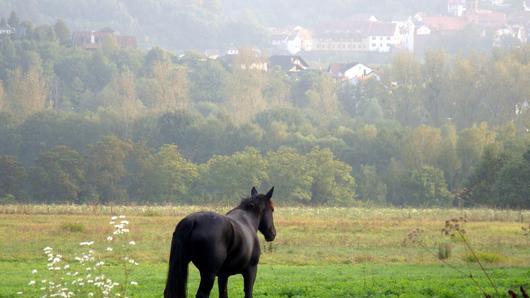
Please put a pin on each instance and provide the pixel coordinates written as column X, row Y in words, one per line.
column 246, row 59
column 352, row 72
column 97, row 39
column 292, row 40
column 444, row 24
column 364, row 36
column 288, row 63
column 7, row 30
column 456, row 7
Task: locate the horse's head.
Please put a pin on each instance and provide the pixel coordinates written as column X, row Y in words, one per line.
column 266, row 224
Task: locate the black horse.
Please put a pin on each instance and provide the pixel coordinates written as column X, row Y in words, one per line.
column 220, row 245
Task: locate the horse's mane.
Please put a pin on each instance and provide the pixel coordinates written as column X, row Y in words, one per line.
column 252, row 204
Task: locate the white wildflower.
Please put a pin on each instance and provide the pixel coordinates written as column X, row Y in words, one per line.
column 132, row 243
column 109, row 248
column 134, row 283
column 32, row 282
column 34, row 271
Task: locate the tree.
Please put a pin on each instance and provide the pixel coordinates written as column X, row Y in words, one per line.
column 59, row 176
column 371, row 187
column 421, row 146
column 406, row 73
column 27, row 92
column 120, row 97
column 174, row 175
column 471, row 144
column 106, row 169
column 226, row 178
column 332, row 180
column 3, row 103
column 62, row 32
column 13, row 20
column 512, row 186
column 290, row 173
column 166, row 90
column 435, row 73
column 12, row 177
column 427, row 187
column 482, row 180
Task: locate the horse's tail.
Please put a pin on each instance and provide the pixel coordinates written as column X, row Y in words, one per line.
column 177, row 276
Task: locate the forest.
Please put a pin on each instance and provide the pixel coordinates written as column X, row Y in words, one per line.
column 118, row 126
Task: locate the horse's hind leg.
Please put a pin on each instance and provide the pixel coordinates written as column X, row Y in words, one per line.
column 222, row 281
column 206, row 285
column 249, row 277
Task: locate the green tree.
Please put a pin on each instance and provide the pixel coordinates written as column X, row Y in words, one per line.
column 471, row 144
column 59, row 176
column 119, row 96
column 174, row 175
column 106, row 169
column 290, row 174
column 226, row 178
column 27, row 92
column 62, row 32
column 482, row 180
column 512, row 186
column 421, row 146
column 332, row 180
column 407, row 89
column 12, row 177
column 371, row 186
column 427, row 187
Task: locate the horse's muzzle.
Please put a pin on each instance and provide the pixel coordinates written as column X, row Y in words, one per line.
column 270, row 237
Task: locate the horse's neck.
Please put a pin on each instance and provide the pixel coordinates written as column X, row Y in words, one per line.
column 245, row 217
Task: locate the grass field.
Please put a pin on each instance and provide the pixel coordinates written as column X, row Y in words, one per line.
column 318, row 252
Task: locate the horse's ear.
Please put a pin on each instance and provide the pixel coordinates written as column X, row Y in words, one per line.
column 253, row 192
column 269, row 194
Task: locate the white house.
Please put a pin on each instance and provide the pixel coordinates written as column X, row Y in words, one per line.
column 293, row 40
column 456, row 7
column 351, row 72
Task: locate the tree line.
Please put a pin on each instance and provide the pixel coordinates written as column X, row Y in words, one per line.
column 105, row 125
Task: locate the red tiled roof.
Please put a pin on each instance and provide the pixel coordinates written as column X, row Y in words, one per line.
column 446, row 23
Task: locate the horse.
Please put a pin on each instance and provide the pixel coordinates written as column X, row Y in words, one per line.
column 220, row 246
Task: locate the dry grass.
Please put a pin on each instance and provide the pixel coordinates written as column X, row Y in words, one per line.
column 305, row 235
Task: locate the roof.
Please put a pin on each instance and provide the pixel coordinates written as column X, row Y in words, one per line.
column 287, row 62
column 357, row 27
column 488, row 18
column 446, row 23
column 338, row 69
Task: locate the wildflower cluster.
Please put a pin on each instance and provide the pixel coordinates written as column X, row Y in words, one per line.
column 87, row 275
column 414, row 237
column 454, row 226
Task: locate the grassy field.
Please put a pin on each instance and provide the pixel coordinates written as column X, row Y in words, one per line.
column 318, row 252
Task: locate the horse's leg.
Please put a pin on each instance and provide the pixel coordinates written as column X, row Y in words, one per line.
column 249, row 276
column 222, row 281
column 206, row 285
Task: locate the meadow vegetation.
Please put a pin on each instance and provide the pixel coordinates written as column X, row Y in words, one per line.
column 319, row 252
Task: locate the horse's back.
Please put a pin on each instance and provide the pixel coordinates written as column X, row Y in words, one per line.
column 209, row 239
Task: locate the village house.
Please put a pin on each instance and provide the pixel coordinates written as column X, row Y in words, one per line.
column 96, row 39
column 292, row 40
column 368, row 35
column 351, row 72
column 247, row 59
column 288, row 63
column 7, row 30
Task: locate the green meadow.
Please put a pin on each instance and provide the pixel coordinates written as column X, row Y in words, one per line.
column 318, row 252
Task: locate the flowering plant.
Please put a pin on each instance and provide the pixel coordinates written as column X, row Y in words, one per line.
column 88, row 275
